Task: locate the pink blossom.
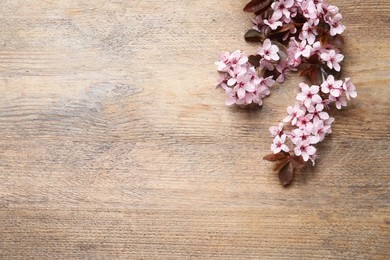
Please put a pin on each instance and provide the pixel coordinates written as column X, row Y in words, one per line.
column 269, row 51
column 308, row 33
column 294, row 113
column 334, row 87
column 349, row 88
column 329, row 122
column 223, row 64
column 281, row 7
column 304, row 149
column 243, row 85
column 279, row 145
column 309, row 95
column 335, row 26
column 257, row 96
column 317, row 112
column 320, row 129
column 309, row 10
column 283, row 69
column 304, row 134
column 332, row 59
column 261, row 90
column 273, row 23
column 303, row 121
column 303, row 50
column 276, row 130
column 234, row 73
column 238, row 58
column 339, row 101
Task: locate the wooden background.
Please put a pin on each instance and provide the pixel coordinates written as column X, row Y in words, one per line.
column 115, row 144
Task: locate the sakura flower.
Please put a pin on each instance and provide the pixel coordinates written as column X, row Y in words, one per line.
column 317, row 48
column 238, row 58
column 276, row 130
column 279, row 144
column 222, row 81
column 272, row 23
column 281, row 7
column 308, row 94
column 283, row 69
column 309, row 10
column 261, row 90
column 317, row 112
column 335, row 26
column 334, row 87
column 223, row 63
column 303, row 121
column 257, row 96
column 257, row 22
column 320, row 129
column 304, row 135
column 243, row 85
column 329, row 123
column 303, row 50
column 268, row 81
column 235, row 73
column 304, row 149
column 232, row 96
column 349, row 88
column 269, row 51
column 294, row 113
column 308, row 33
column 339, row 101
column 332, row 59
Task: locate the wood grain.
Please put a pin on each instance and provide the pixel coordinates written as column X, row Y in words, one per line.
column 114, row 143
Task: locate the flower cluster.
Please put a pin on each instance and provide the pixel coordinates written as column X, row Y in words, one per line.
column 308, row 122
column 240, row 80
column 296, row 35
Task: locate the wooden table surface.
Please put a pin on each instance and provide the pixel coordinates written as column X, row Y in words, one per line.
column 115, row 144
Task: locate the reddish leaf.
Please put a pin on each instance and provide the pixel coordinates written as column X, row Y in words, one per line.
column 314, row 74
column 254, row 36
column 286, row 174
column 275, row 157
column 305, row 71
column 313, row 59
column 254, row 60
column 324, row 38
column 298, row 162
column 257, row 5
column 337, row 41
column 280, row 164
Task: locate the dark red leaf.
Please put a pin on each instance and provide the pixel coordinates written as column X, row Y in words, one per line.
column 314, row 74
column 254, row 36
column 254, row 60
column 313, row 59
column 257, row 5
column 324, row 39
column 298, row 162
column 275, row 157
column 286, row 174
column 280, row 164
column 337, row 41
column 305, row 71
